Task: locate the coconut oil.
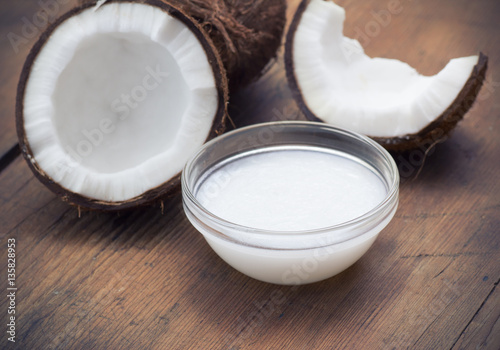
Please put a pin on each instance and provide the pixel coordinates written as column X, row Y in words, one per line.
column 291, row 189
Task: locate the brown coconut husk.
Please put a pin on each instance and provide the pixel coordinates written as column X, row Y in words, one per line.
column 246, row 33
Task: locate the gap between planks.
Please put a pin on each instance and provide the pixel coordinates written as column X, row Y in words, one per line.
column 9, row 157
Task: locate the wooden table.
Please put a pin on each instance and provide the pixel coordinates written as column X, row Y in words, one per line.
column 147, row 280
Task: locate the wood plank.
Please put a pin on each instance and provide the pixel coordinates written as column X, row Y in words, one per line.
column 484, row 327
column 144, row 279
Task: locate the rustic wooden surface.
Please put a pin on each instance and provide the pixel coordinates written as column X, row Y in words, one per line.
column 147, row 280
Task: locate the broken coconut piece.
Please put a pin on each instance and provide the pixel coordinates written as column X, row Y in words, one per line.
column 111, row 103
column 334, row 81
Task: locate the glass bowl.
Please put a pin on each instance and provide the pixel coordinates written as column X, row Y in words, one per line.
column 299, row 256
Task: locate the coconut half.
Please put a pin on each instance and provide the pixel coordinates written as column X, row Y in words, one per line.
column 334, row 81
column 112, row 101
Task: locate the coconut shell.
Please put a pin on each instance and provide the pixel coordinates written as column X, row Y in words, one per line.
column 168, row 188
column 433, row 133
column 246, row 33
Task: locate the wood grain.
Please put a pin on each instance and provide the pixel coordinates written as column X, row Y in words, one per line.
column 144, row 279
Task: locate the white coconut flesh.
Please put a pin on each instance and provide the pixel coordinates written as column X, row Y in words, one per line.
column 117, row 100
column 378, row 97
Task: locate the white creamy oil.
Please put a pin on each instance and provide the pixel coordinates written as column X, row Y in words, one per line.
column 293, row 189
